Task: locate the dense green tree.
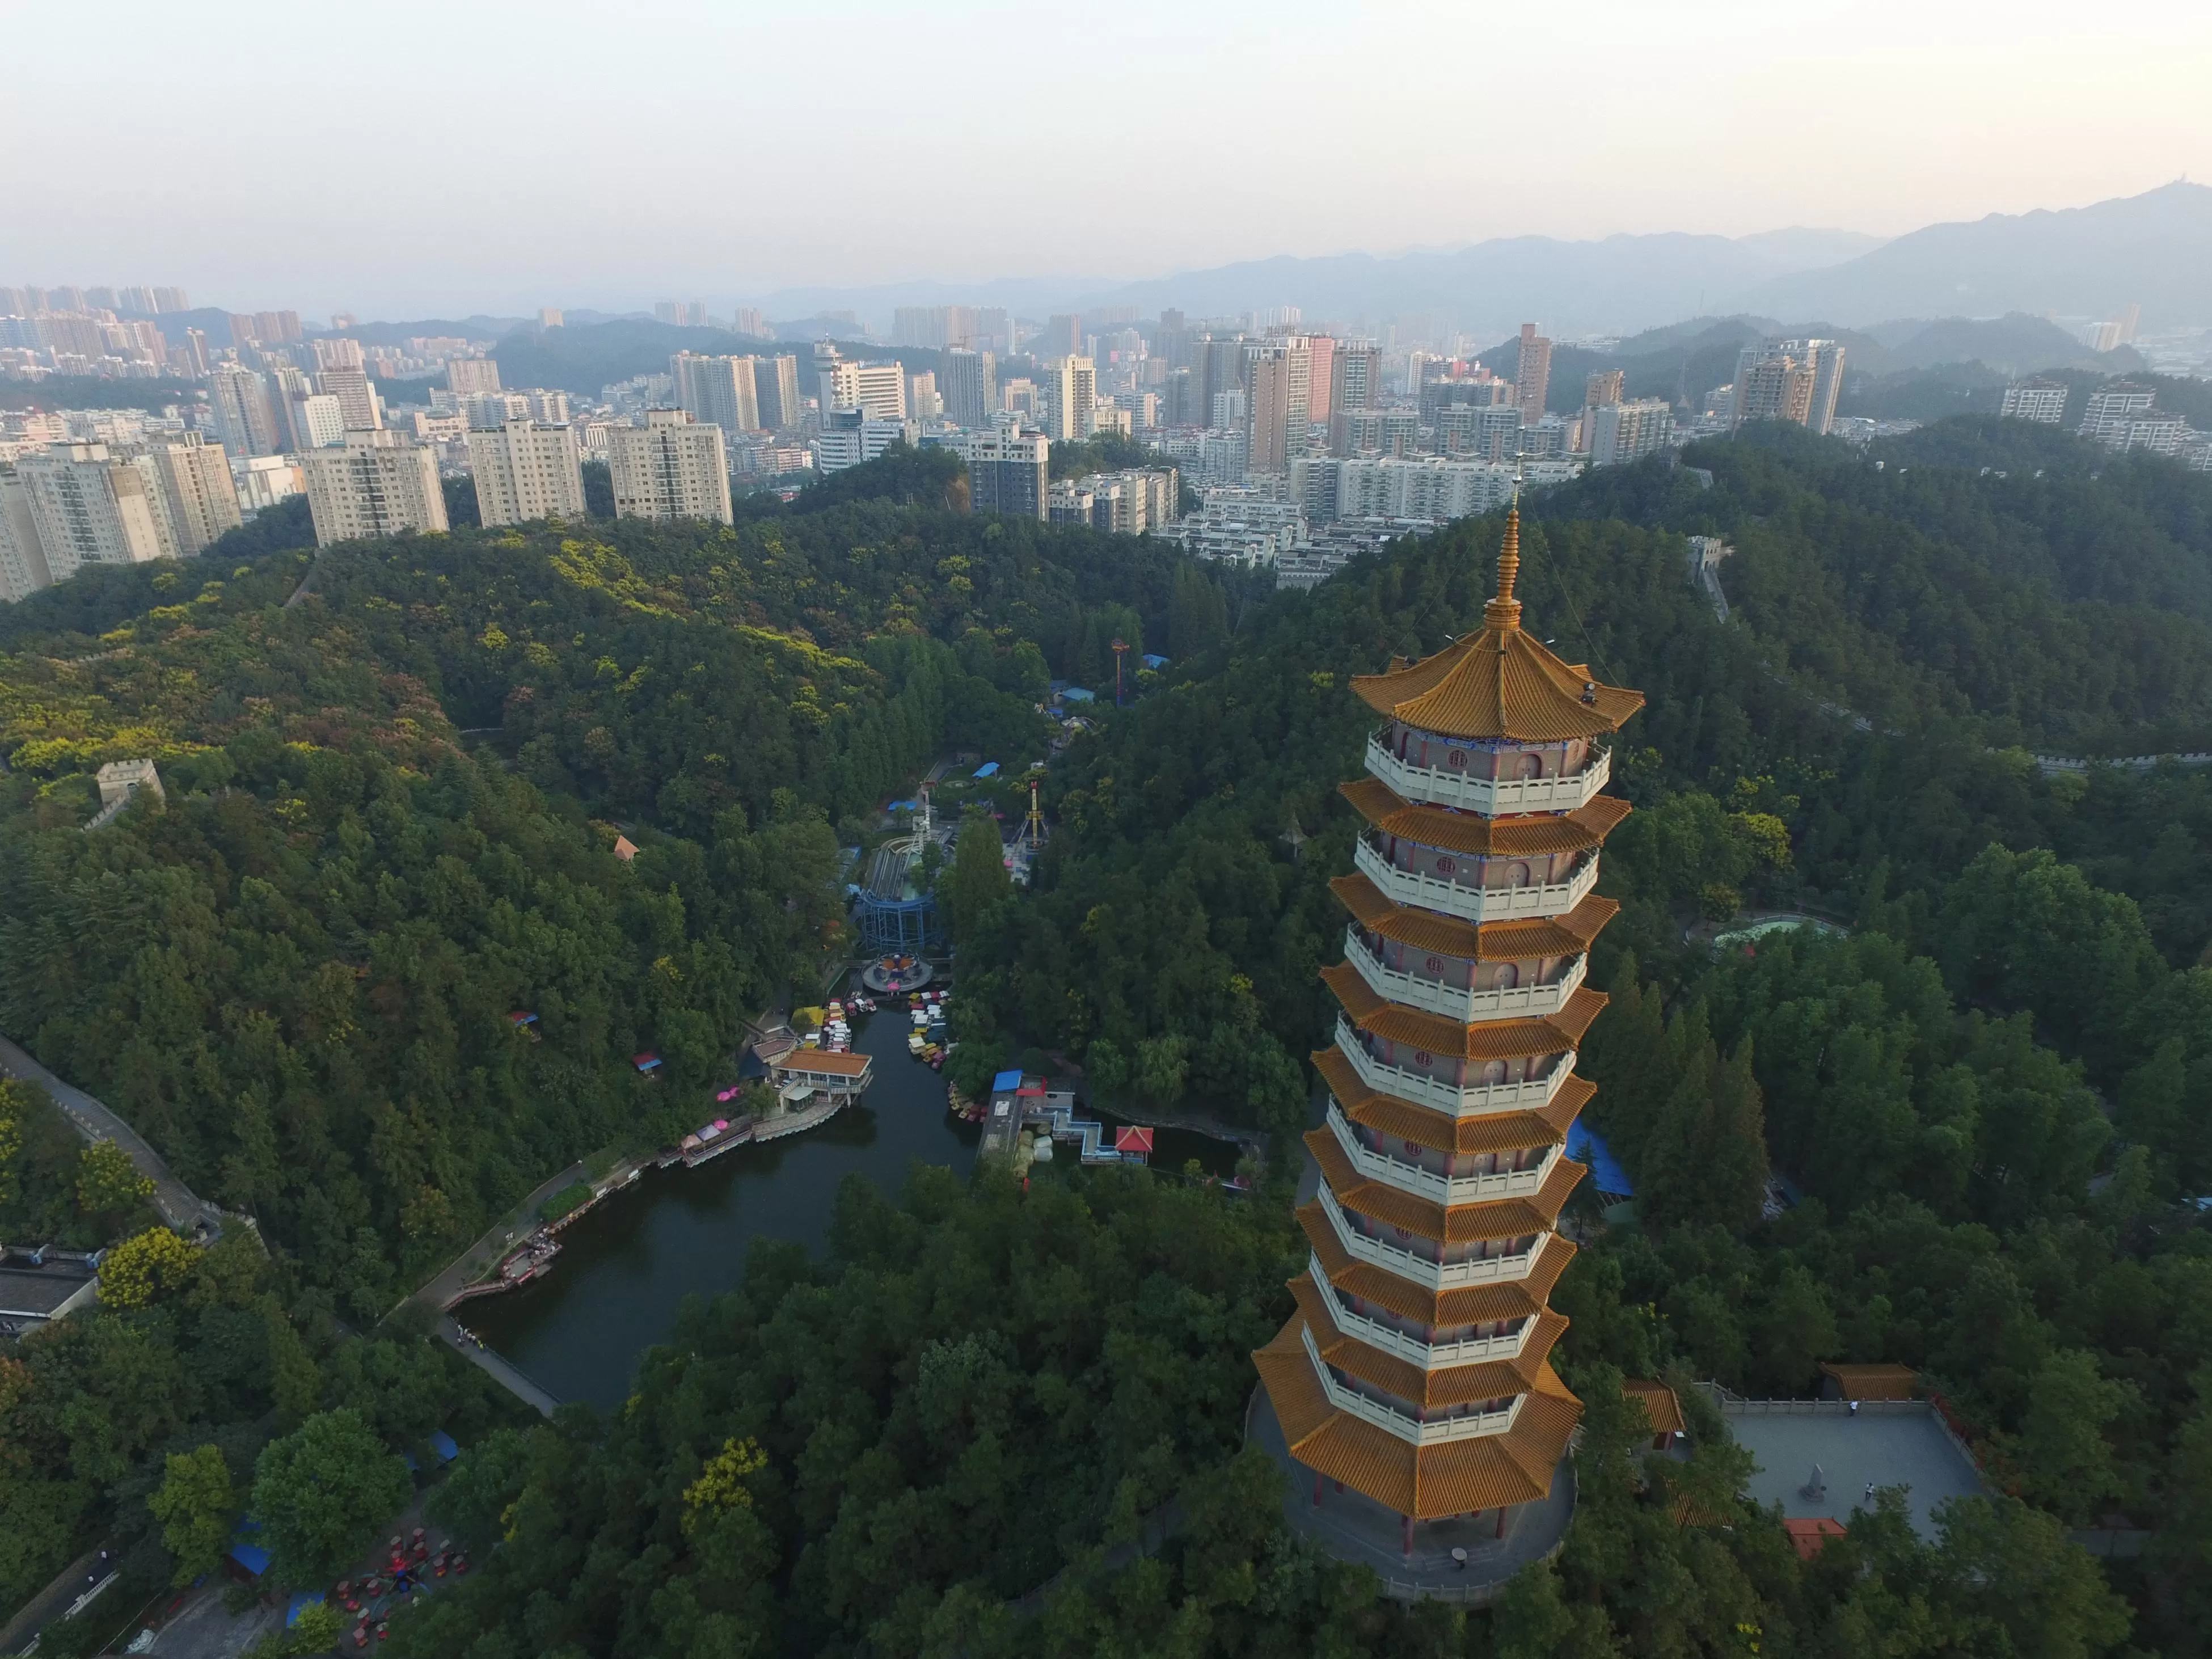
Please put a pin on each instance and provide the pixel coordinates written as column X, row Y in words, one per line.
column 197, row 1508
column 978, row 877
column 322, row 1492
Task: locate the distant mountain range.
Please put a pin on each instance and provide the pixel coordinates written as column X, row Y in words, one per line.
column 2154, row 250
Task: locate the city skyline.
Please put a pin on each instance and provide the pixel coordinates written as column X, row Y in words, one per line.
column 1954, row 129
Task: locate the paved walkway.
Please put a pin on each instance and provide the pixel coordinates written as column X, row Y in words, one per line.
column 50, row 1604
column 508, row 1376
column 473, row 1262
column 181, row 1206
column 1896, row 1448
column 205, row 1629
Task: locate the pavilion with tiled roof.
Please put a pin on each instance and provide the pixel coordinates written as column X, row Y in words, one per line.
column 1416, row 1371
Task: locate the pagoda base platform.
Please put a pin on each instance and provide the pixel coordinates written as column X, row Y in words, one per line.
column 1350, row 1527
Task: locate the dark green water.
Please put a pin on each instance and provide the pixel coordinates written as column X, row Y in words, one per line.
column 624, row 1268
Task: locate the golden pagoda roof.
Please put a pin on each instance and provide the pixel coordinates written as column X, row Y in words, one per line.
column 1483, row 1039
column 1501, row 682
column 1453, row 1477
column 1528, row 835
column 1447, row 1385
column 1525, row 940
column 1462, row 1304
column 1660, row 1405
column 1873, row 1382
column 1449, row 1224
column 1491, row 1132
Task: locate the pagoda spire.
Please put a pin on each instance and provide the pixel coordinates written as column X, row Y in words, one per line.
column 1504, row 612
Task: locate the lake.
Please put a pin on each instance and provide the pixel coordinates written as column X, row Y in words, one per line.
column 623, row 1268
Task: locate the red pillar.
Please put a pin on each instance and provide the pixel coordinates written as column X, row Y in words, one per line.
column 1501, row 1521
column 1409, row 1522
column 1316, row 1489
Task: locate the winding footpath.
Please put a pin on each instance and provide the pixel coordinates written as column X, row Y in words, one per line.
column 181, row 1206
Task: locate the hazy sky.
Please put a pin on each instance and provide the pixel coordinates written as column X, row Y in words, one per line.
column 405, row 159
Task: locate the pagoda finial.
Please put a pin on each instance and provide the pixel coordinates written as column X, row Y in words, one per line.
column 1504, row 612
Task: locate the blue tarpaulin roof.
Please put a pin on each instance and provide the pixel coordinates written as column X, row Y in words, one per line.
column 1006, row 1083
column 1606, row 1174
column 442, row 1443
column 987, row 769
column 1152, row 661
column 1076, row 694
column 300, row 1604
column 251, row 1557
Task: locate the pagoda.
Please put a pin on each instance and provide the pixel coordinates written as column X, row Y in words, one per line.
column 1416, row 1370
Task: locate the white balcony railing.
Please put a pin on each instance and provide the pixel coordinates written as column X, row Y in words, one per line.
column 1430, row 1356
column 1472, row 1101
column 1474, row 1426
column 1457, row 1002
column 1445, row 788
column 1431, row 1275
column 1428, row 1183
column 1474, row 903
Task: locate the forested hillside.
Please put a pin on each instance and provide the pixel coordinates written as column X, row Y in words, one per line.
column 390, row 821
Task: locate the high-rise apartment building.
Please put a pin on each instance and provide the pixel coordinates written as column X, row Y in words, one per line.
column 1355, row 382
column 1533, row 379
column 1489, row 432
column 1281, row 388
column 684, row 313
column 775, row 388
column 878, row 390
column 1062, row 338
column 357, row 399
column 523, row 470
column 720, row 391
column 1217, row 365
column 243, row 414
column 748, row 321
column 2112, row 407
column 467, row 375
column 971, row 388
column 92, row 507
column 264, row 480
column 1393, row 432
column 23, row 569
column 550, row 317
column 1008, row 469
column 1795, row 380
column 850, row 436
column 1602, row 388
column 194, row 478
column 1629, row 431
column 924, row 402
column 671, row 467
column 339, row 353
column 936, row 326
column 2041, row 401
column 490, row 411
column 1071, row 400
column 377, row 483
column 1321, row 377
column 317, row 420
